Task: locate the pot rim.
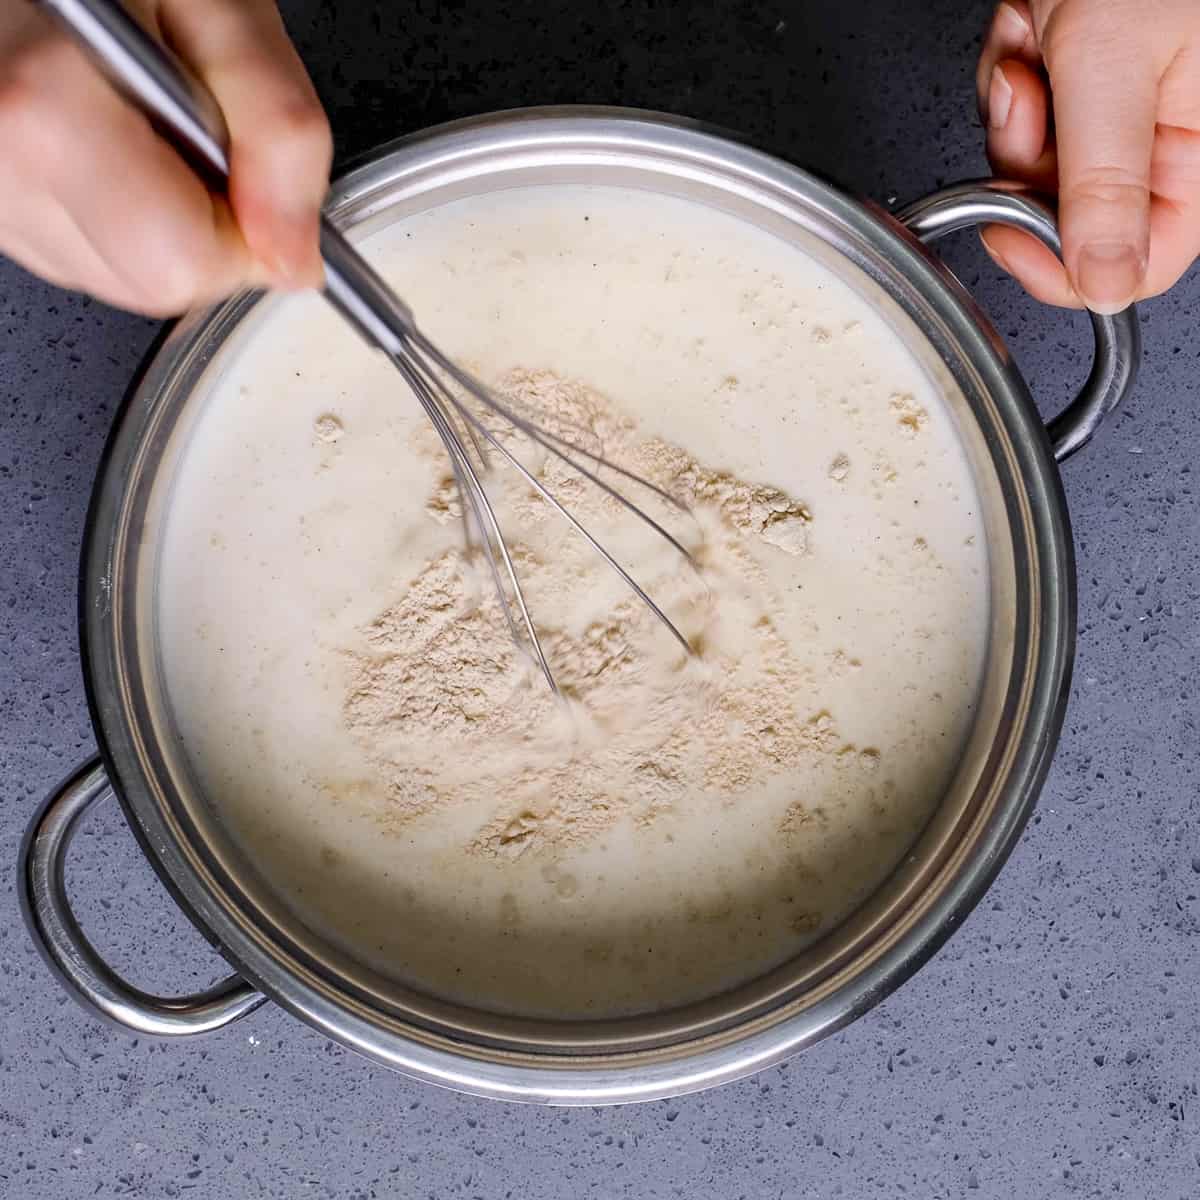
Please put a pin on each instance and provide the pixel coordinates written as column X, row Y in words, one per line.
column 700, row 1066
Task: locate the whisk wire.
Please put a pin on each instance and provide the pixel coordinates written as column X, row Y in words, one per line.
column 558, row 446
column 190, row 116
column 484, row 396
column 472, row 493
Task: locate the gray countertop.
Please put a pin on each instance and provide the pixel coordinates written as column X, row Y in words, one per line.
column 1051, row 1049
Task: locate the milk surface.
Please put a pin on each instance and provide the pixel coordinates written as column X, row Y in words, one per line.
column 300, row 514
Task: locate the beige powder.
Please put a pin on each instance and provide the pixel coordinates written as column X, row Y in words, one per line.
column 450, row 712
column 676, row 826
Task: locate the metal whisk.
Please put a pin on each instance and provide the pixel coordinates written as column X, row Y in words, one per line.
column 189, row 116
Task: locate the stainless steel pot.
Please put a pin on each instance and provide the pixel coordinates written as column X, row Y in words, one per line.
column 850, row 970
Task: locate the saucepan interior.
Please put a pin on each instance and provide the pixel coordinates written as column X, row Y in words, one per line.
column 982, row 811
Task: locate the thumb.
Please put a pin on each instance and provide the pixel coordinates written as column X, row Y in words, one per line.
column 1105, row 90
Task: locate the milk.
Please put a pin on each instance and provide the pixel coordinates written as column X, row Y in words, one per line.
column 299, row 515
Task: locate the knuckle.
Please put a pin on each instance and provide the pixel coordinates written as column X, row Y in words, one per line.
column 176, row 266
column 1077, row 27
column 1109, row 185
column 17, row 89
column 142, row 297
column 28, row 114
column 171, row 291
column 298, row 128
column 22, row 129
column 47, row 93
column 49, row 65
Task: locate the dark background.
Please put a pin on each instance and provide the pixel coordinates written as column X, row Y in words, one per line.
column 1051, row 1050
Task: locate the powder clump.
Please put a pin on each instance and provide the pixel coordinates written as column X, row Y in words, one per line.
column 450, row 713
column 910, row 416
column 328, row 428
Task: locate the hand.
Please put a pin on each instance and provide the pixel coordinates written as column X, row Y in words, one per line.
column 1122, row 149
column 92, row 198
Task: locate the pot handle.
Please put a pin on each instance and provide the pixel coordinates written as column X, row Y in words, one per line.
column 56, row 932
column 1118, row 338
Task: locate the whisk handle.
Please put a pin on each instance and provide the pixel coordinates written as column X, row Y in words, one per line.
column 189, row 116
column 153, row 78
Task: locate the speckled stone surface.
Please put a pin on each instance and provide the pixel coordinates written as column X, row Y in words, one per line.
column 1051, row 1050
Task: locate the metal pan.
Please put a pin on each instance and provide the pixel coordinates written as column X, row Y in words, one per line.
column 1032, row 636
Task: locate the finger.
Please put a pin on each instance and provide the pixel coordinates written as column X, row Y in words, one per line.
column 173, row 247
column 1174, row 228
column 161, row 236
column 281, row 144
column 1019, row 145
column 1175, row 164
column 1174, row 247
column 1010, row 36
column 41, row 235
column 155, row 225
column 1020, row 148
column 1105, row 141
column 38, row 234
column 1175, row 207
column 1036, row 268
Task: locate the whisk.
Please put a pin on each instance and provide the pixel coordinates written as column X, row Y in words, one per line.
column 452, row 398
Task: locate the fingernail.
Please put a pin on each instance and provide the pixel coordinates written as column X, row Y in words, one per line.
column 1011, row 22
column 292, row 276
column 1000, row 95
column 283, row 275
column 1109, row 274
column 294, row 257
column 997, row 257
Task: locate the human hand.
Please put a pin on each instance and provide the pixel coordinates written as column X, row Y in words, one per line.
column 92, row 198
column 1121, row 79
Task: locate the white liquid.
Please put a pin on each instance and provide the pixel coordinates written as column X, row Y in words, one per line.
column 282, row 547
